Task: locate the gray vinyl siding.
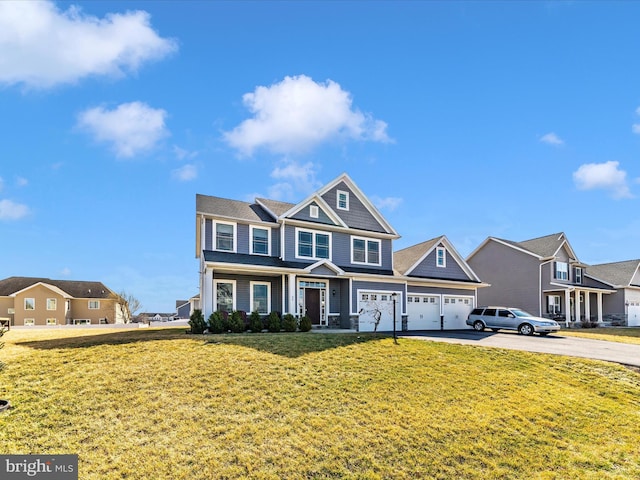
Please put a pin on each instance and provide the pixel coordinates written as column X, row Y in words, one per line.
column 275, row 242
column 358, row 216
column 305, row 216
column 611, row 304
column 429, row 269
column 242, row 242
column 513, row 276
column 373, row 286
column 243, row 285
column 323, row 270
column 208, row 234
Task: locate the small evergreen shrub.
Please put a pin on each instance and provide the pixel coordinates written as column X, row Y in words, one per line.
column 305, row 324
column 236, row 323
column 273, row 322
column 255, row 322
column 216, row 324
column 225, row 320
column 196, row 322
column 289, row 323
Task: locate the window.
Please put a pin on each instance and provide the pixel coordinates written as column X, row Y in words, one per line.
column 260, row 298
column 29, row 303
column 578, row 275
column 29, row 322
column 553, row 304
column 11, row 311
column 94, row 304
column 314, row 211
column 441, row 258
column 82, row 321
column 52, row 304
column 52, row 321
column 225, row 237
column 562, row 271
column 225, row 295
column 365, row 251
column 343, row 200
column 260, row 240
column 313, row 244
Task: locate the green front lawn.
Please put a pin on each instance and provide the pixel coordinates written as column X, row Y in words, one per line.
column 611, row 334
column 160, row 404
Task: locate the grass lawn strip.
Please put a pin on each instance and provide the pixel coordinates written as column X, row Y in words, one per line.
column 162, row 404
column 617, row 334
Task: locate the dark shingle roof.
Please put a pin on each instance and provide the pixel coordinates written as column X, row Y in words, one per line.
column 404, row 259
column 544, row 246
column 77, row 289
column 275, row 206
column 615, row 273
column 224, row 207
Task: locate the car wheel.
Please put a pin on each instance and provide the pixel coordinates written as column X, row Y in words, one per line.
column 478, row 326
column 525, row 329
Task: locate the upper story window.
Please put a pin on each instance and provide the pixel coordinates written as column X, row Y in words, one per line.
column 29, row 303
column 310, row 244
column 578, row 277
column 343, row 200
column 52, row 303
column 365, row 251
column 314, row 211
column 94, row 304
column 225, row 237
column 562, row 271
column 441, row 257
column 260, row 240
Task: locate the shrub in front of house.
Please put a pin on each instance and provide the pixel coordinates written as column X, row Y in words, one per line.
column 236, row 322
column 255, row 322
column 305, row 324
column 273, row 322
column 196, row 322
column 216, row 323
column 289, row 323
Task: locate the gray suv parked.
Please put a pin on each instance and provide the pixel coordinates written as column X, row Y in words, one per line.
column 507, row 318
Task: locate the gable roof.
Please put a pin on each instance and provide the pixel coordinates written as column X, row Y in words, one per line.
column 616, row 274
column 73, row 288
column 540, row 247
column 232, row 209
column 275, row 207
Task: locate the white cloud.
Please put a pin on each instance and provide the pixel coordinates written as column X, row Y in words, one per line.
column 131, row 128
column 635, row 128
column 605, row 176
column 42, row 46
column 293, row 178
column 388, row 203
column 551, row 139
column 12, row 211
column 297, row 114
column 182, row 154
column 22, row 182
column 185, row 173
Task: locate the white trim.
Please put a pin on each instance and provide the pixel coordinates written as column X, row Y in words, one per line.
column 321, row 204
column 97, row 302
column 53, row 288
column 366, row 250
column 313, row 243
column 55, row 321
column 444, row 257
column 33, row 300
column 268, row 285
column 314, row 211
column 234, row 290
column 346, row 195
column 81, row 321
column 214, row 236
column 31, row 322
column 259, row 227
column 506, row 244
column 324, row 262
column 55, row 303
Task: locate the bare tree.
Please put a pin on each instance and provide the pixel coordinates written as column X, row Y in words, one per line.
column 128, row 305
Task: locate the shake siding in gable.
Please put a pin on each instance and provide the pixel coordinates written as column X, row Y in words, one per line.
column 429, row 269
column 358, row 216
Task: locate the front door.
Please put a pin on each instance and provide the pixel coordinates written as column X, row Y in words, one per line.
column 312, row 304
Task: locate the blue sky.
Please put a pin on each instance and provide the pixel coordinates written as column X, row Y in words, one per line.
column 468, row 119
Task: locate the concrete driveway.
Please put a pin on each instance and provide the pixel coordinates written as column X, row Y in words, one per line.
column 623, row 353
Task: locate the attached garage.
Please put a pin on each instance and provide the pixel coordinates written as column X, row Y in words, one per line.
column 456, row 309
column 633, row 314
column 423, row 312
column 375, row 311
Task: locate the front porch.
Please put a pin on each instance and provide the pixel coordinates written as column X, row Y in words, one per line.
column 574, row 305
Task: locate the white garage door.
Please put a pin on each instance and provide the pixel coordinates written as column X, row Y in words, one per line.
column 423, row 312
column 633, row 317
column 455, row 311
column 376, row 312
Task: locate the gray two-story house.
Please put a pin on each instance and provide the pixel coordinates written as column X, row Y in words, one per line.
column 623, row 306
column 543, row 276
column 329, row 257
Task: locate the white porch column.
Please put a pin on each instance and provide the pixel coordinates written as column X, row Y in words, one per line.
column 284, row 294
column 567, row 307
column 293, row 301
column 576, row 302
column 599, row 307
column 206, row 296
column 587, row 307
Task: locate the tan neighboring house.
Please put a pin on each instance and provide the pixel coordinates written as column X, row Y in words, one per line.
column 41, row 301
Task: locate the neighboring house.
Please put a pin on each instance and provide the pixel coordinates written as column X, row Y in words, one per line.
column 42, row 301
column 185, row 308
column 542, row 276
column 624, row 277
column 158, row 317
column 329, row 257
